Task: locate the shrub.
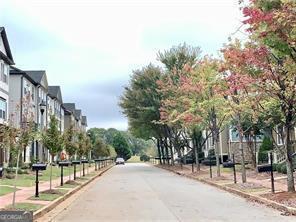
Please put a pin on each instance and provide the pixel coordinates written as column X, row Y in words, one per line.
column 279, row 168
column 21, row 171
column 201, row 156
column 10, row 176
column 274, row 166
column 11, row 170
column 144, row 158
column 208, row 162
column 211, row 154
column 25, row 167
column 263, row 150
column 284, row 168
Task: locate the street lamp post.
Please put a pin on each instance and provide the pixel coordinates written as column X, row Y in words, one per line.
column 42, row 107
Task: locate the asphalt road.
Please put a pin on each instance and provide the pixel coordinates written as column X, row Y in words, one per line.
column 139, row 192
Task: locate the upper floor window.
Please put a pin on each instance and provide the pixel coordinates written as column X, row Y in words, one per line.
column 4, row 70
column 279, row 135
column 3, row 109
column 32, row 93
column 234, row 136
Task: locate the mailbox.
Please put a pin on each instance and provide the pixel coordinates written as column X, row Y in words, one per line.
column 64, row 163
column 76, row 162
column 84, row 161
column 1, row 172
column 264, row 168
column 39, row 166
column 36, row 167
column 228, row 164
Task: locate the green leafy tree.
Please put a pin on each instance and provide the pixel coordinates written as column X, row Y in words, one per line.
column 121, row 146
column 100, row 149
column 53, row 141
column 81, row 142
column 69, row 141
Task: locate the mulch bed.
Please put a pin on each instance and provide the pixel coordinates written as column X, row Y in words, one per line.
column 286, row 198
column 246, row 186
column 72, row 182
column 53, row 191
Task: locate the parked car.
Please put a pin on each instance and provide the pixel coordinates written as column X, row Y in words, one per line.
column 119, row 160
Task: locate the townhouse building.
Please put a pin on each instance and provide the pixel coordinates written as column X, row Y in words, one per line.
column 84, row 123
column 6, row 60
column 55, row 105
column 26, row 96
column 69, row 115
column 23, row 104
column 78, row 118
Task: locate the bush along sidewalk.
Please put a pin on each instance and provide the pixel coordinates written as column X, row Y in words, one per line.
column 256, row 189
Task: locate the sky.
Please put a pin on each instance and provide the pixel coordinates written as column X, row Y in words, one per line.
column 90, row 48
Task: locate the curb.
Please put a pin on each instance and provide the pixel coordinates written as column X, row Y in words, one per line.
column 258, row 199
column 39, row 213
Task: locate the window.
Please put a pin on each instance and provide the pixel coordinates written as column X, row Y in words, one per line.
column 234, row 137
column 279, row 135
column 3, row 109
column 4, row 71
column 32, row 93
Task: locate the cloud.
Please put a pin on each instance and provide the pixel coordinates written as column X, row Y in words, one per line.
column 99, row 101
column 91, row 47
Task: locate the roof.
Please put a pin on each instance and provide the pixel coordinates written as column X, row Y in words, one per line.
column 70, row 107
column 16, row 71
column 84, row 120
column 8, row 57
column 55, row 93
column 39, row 76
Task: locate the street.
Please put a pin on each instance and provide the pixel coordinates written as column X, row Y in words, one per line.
column 140, row 192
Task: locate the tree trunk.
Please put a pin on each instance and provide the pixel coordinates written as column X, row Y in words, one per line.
column 289, row 162
column 195, row 148
column 217, row 151
column 244, row 177
column 180, row 157
column 167, row 150
column 159, row 151
column 162, row 151
column 172, row 153
column 15, row 179
column 50, row 176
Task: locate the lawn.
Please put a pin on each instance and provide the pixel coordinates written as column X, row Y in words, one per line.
column 24, row 180
column 46, row 197
column 28, row 180
column 68, row 185
column 134, row 159
column 25, row 206
column 5, row 190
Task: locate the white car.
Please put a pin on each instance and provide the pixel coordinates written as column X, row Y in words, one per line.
column 119, row 160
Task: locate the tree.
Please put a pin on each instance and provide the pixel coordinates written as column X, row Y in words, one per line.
column 19, row 134
column 271, row 25
column 69, row 141
column 100, row 149
column 81, row 142
column 53, row 141
column 121, row 146
column 176, row 60
column 141, row 104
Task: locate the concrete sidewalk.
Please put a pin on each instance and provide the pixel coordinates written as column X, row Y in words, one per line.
column 24, row 193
